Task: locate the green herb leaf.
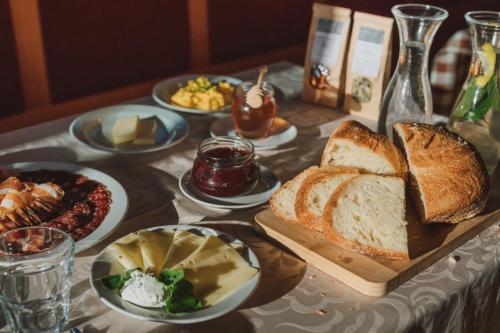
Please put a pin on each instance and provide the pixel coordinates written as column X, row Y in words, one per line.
column 471, row 96
column 170, row 277
column 480, row 110
column 116, row 282
column 494, row 92
column 180, row 298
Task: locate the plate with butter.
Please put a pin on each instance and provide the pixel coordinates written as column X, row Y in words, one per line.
column 129, row 129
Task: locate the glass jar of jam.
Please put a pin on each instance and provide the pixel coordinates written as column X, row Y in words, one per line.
column 225, row 166
column 253, row 123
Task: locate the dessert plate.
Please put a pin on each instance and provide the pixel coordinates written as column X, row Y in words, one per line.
column 103, row 266
column 268, row 184
column 166, row 88
column 95, row 128
column 224, row 127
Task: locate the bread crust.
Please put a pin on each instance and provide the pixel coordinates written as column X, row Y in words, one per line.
column 445, row 170
column 305, row 217
column 272, row 202
column 331, row 233
column 361, row 135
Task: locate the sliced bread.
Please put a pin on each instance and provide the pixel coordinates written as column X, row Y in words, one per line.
column 314, row 193
column 283, row 201
column 354, row 145
column 367, row 214
column 448, row 180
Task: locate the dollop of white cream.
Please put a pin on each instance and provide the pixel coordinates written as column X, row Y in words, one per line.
column 143, row 290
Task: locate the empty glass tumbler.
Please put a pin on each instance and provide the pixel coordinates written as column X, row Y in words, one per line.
column 408, row 95
column 36, row 265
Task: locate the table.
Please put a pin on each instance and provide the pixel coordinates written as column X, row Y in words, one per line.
column 461, row 295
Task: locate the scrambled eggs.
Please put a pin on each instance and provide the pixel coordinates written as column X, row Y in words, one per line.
column 201, row 94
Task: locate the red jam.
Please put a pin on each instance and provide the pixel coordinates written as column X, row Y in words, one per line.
column 225, row 166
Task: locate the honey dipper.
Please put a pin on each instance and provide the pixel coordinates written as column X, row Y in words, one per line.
column 254, row 95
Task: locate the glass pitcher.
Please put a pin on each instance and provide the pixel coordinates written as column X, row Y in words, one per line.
column 408, row 95
column 476, row 113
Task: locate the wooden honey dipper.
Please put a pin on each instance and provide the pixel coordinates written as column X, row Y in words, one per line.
column 255, row 94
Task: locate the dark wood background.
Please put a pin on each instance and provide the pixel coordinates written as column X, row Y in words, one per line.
column 59, row 57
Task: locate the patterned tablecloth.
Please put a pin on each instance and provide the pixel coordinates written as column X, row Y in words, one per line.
column 453, row 295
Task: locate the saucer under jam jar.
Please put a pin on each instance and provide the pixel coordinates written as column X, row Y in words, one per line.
column 225, row 166
column 249, row 122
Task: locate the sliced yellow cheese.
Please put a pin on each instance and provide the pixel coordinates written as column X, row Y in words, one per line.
column 154, row 248
column 183, row 245
column 127, row 251
column 125, row 129
column 146, row 133
column 216, row 271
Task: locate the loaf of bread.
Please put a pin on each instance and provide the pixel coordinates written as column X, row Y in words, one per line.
column 314, row 193
column 367, row 214
column 283, row 201
column 448, row 180
column 354, row 145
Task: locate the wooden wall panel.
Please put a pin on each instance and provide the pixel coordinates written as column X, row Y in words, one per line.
column 243, row 28
column 96, row 45
column 11, row 99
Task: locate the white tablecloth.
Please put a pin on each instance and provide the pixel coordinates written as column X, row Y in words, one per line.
column 462, row 296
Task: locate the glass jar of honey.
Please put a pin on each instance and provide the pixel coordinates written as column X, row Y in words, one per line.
column 249, row 122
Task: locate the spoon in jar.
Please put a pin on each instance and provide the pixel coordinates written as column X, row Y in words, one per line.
column 255, row 94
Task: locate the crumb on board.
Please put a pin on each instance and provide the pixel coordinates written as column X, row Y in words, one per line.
column 322, row 294
column 312, row 276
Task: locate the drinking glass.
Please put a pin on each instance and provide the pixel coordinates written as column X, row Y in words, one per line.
column 408, row 95
column 36, row 265
column 254, row 123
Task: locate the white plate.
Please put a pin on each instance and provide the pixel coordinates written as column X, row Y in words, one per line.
column 269, row 183
column 224, row 127
column 102, row 267
column 95, row 128
column 166, row 88
column 119, row 200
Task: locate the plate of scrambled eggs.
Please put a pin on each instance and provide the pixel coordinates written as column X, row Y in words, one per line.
column 198, row 94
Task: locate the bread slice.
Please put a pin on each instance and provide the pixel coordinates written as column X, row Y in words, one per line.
column 314, row 193
column 448, row 180
column 283, row 201
column 367, row 214
column 354, row 145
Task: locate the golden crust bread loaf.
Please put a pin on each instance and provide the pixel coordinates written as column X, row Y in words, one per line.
column 361, row 136
column 448, row 180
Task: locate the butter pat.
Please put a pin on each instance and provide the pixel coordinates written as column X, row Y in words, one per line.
column 146, row 133
column 125, row 129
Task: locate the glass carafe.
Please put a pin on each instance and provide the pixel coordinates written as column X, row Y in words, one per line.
column 408, row 95
column 476, row 113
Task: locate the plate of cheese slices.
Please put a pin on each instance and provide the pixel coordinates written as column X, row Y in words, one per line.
column 177, row 274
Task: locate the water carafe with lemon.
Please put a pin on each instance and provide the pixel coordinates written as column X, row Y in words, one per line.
column 476, row 113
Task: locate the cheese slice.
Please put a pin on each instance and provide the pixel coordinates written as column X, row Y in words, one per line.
column 146, row 133
column 183, row 245
column 216, row 271
column 127, row 251
column 125, row 129
column 154, row 248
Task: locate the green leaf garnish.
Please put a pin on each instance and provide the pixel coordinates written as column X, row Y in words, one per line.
column 170, row 277
column 180, row 298
column 116, row 282
column 178, row 292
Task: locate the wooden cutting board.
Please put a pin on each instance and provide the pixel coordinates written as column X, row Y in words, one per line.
column 376, row 276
